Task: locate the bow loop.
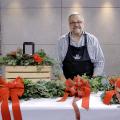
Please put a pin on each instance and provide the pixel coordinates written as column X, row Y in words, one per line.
column 11, row 90
column 78, row 87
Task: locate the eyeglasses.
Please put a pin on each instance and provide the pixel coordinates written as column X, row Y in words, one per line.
column 73, row 23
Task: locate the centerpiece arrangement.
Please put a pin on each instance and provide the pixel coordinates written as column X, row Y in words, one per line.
column 33, row 67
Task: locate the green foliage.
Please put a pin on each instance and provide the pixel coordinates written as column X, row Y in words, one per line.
column 1, row 60
column 18, row 58
column 50, row 89
column 43, row 89
column 99, row 84
column 114, row 100
column 41, row 53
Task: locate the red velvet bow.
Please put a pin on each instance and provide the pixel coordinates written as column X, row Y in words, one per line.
column 109, row 94
column 11, row 90
column 79, row 88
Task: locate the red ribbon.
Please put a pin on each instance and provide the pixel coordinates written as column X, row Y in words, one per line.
column 109, row 94
column 11, row 90
column 79, row 88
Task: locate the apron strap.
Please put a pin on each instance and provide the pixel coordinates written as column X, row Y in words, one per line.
column 85, row 39
column 69, row 39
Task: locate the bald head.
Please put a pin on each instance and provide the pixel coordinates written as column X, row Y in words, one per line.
column 76, row 23
column 76, row 14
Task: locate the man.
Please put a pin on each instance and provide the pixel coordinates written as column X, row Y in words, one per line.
column 79, row 52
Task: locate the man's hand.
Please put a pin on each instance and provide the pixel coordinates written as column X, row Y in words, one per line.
column 62, row 77
column 94, row 75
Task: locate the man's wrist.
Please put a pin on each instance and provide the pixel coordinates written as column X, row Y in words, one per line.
column 62, row 77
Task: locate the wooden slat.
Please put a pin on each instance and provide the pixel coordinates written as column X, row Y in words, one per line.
column 34, row 80
column 28, row 75
column 27, row 68
column 34, row 73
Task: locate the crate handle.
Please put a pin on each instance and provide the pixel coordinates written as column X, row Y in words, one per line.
column 29, row 43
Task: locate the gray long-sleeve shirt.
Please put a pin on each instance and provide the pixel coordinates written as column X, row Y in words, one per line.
column 94, row 50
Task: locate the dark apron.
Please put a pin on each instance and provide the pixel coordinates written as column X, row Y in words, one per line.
column 77, row 60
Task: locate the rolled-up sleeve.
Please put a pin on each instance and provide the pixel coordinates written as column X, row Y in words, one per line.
column 59, row 56
column 97, row 57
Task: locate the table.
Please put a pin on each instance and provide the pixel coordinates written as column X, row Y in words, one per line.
column 49, row 109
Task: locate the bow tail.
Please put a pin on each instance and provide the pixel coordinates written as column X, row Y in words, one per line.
column 75, row 107
column 5, row 109
column 85, row 102
column 63, row 98
column 108, row 96
column 16, row 107
column 85, row 99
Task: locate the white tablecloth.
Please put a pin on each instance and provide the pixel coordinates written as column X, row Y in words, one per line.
column 49, row 109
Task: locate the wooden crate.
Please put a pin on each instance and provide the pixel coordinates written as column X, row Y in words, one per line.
column 33, row 73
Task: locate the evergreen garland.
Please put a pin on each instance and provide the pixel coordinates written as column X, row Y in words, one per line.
column 43, row 89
